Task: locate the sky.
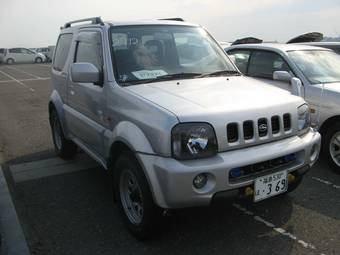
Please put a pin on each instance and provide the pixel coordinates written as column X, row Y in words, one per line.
column 36, row 23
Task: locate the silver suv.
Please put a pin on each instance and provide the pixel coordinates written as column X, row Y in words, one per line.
column 163, row 109
column 317, row 69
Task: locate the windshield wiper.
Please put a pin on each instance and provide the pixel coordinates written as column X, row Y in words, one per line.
column 173, row 76
column 162, row 78
column 221, row 73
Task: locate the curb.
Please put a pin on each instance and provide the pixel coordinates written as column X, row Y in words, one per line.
column 14, row 242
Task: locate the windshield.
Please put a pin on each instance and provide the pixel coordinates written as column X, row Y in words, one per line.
column 150, row 52
column 318, row 66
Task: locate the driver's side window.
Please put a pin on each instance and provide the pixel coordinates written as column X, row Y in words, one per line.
column 263, row 64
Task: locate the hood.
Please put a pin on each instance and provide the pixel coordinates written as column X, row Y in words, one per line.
column 333, row 86
column 194, row 99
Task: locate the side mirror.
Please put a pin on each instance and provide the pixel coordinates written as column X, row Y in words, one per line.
column 296, row 87
column 84, row 73
column 282, row 76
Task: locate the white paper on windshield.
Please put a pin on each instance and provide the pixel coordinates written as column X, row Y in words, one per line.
column 149, row 74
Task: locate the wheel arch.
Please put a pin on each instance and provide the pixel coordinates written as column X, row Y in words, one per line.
column 56, row 104
column 123, row 143
column 329, row 122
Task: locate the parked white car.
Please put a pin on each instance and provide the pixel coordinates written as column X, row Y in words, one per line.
column 47, row 51
column 2, row 53
column 22, row 55
column 318, row 71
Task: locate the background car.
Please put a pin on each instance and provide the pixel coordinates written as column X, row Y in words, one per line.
column 335, row 46
column 316, row 39
column 47, row 51
column 318, row 71
column 22, row 55
column 2, row 53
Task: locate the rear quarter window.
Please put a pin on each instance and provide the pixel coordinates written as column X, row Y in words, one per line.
column 62, row 50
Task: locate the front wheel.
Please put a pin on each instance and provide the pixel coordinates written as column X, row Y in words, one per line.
column 64, row 148
column 134, row 197
column 331, row 146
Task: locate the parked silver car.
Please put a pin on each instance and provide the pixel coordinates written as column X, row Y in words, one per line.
column 22, row 55
column 315, row 39
column 335, row 46
column 2, row 54
column 47, row 51
column 318, row 69
column 159, row 104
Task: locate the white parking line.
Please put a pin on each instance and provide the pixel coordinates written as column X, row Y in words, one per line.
column 50, row 167
column 326, row 182
column 11, row 77
column 49, row 66
column 277, row 229
column 18, row 70
column 40, row 79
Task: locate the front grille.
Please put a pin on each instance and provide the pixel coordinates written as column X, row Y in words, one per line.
column 232, row 132
column 263, row 128
column 275, row 124
column 286, row 122
column 240, row 173
column 248, row 130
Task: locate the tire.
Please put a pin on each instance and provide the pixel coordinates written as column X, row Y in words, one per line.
column 10, row 61
column 134, row 199
column 64, row 148
column 331, row 146
column 38, row 60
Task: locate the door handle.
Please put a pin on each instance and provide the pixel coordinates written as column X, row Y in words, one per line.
column 72, row 92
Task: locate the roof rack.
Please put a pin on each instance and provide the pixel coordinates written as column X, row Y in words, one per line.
column 173, row 19
column 94, row 20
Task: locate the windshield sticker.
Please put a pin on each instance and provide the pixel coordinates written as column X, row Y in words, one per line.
column 149, row 74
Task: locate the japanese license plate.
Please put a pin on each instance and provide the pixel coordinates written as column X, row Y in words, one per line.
column 270, row 185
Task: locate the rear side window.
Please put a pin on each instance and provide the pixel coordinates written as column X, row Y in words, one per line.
column 62, row 50
column 2, row 51
column 89, row 49
column 264, row 63
column 14, row 50
column 241, row 59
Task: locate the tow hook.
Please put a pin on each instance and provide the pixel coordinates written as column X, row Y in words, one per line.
column 291, row 178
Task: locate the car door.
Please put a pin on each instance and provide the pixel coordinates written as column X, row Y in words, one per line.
column 87, row 100
column 15, row 54
column 261, row 64
column 59, row 72
column 27, row 56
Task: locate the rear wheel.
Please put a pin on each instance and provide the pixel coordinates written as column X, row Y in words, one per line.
column 134, row 197
column 10, row 61
column 331, row 146
column 64, row 148
column 38, row 60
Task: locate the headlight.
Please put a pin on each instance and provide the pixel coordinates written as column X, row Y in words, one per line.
column 303, row 117
column 193, row 140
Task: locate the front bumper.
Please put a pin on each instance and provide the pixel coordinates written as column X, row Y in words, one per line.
column 171, row 181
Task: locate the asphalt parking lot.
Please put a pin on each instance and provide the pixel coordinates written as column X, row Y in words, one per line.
column 66, row 207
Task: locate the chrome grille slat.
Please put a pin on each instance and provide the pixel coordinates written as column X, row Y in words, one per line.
column 259, row 130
